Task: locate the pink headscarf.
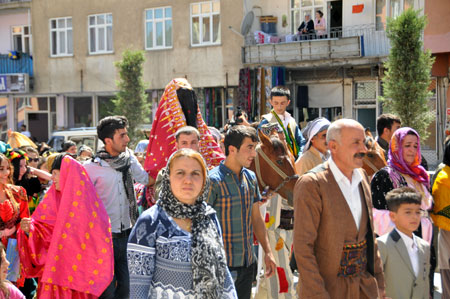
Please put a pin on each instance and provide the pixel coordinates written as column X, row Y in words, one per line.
column 396, row 161
column 70, row 244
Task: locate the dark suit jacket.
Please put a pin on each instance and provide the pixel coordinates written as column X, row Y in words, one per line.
column 309, row 26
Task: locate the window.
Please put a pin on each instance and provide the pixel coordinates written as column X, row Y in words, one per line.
column 158, row 28
column 301, row 8
column 61, row 36
column 100, row 34
column 390, row 8
column 21, row 36
column 205, row 23
column 365, row 104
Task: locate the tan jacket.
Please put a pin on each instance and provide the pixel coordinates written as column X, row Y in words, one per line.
column 401, row 281
column 309, row 159
column 323, row 224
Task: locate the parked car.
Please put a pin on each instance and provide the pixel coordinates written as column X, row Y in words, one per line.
column 85, row 135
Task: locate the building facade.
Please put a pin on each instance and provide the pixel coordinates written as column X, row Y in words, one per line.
column 78, row 43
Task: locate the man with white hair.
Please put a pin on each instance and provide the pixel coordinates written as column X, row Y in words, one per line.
column 315, row 151
column 334, row 244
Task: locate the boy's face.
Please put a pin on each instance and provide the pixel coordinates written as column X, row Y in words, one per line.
column 407, row 218
column 279, row 104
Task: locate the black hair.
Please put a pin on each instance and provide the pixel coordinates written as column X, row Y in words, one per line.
column 67, row 144
column 15, row 163
column 320, row 13
column 386, row 121
column 236, row 134
column 57, row 162
column 446, row 159
column 187, row 130
column 405, row 195
column 280, row 91
column 107, row 126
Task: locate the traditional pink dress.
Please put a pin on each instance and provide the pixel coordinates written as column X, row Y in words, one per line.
column 69, row 247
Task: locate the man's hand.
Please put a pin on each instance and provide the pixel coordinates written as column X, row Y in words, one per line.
column 271, row 267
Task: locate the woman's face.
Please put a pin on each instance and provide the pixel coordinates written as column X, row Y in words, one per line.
column 5, row 171
column 318, row 16
column 72, row 150
column 55, row 179
column 186, row 179
column 4, row 267
column 409, row 146
column 22, row 168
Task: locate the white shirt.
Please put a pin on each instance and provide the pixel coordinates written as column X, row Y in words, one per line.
column 413, row 250
column 349, row 190
column 109, row 185
column 285, row 119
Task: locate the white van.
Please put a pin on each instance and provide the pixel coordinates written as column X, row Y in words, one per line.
column 81, row 136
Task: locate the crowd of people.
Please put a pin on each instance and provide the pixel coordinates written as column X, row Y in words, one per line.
column 79, row 224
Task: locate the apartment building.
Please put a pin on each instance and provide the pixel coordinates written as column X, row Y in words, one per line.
column 339, row 74
column 77, row 43
column 16, row 65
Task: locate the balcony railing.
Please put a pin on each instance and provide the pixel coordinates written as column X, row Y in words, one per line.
column 12, row 1
column 349, row 42
column 22, row 65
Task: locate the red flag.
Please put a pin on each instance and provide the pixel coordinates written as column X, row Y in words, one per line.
column 168, row 119
column 358, row 8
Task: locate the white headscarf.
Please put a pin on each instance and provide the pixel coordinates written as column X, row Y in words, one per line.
column 313, row 128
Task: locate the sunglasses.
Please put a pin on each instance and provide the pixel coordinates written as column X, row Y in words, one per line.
column 33, row 159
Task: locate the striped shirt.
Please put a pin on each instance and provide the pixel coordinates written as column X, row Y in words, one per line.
column 232, row 198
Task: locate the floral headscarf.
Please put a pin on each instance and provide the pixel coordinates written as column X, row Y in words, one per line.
column 396, row 161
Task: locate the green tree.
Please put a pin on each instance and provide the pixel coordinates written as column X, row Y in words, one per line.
column 131, row 100
column 408, row 72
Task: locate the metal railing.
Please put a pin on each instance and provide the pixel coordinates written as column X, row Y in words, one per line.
column 12, row 1
column 373, row 42
column 24, row 64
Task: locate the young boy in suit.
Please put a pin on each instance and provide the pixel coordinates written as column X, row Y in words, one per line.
column 406, row 257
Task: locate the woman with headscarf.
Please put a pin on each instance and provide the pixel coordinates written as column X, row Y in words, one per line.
column 67, row 242
column 441, row 218
column 403, row 170
column 175, row 249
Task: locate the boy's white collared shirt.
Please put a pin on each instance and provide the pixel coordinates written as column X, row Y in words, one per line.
column 413, row 251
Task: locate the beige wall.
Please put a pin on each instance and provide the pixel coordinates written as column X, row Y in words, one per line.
column 203, row 66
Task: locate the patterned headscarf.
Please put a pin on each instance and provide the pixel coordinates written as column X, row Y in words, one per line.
column 208, row 256
column 396, row 161
column 313, row 128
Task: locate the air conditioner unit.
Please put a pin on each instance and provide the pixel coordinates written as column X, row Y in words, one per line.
column 14, row 83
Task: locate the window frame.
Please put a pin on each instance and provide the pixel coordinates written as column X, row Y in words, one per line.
column 23, row 37
column 302, row 9
column 57, row 30
column 163, row 21
column 96, row 28
column 202, row 16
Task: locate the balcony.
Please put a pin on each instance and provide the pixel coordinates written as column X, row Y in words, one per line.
column 10, row 4
column 22, row 65
column 342, row 43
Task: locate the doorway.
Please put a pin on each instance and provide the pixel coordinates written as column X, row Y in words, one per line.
column 38, row 126
column 335, row 15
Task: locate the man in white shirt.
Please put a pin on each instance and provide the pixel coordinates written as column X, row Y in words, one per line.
column 334, row 243
column 112, row 172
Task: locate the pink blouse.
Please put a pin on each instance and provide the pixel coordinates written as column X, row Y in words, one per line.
column 323, row 23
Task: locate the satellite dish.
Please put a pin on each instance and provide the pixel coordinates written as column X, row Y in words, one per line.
column 247, row 23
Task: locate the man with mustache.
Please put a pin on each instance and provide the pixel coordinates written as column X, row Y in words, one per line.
column 334, row 244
